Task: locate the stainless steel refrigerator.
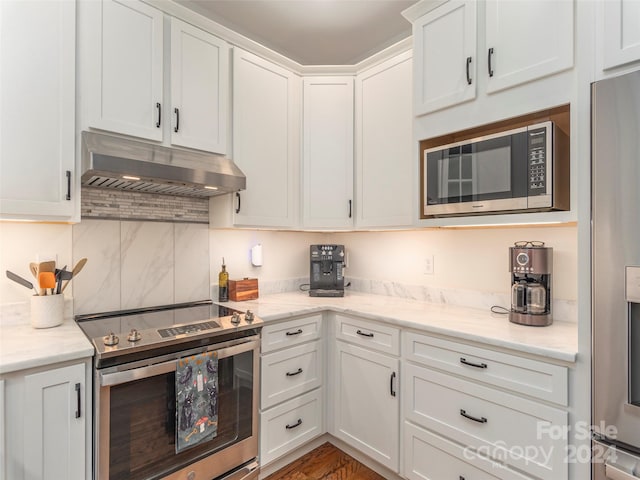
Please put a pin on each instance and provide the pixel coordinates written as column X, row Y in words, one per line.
column 615, row 282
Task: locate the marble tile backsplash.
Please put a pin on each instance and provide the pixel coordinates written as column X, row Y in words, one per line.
column 139, row 264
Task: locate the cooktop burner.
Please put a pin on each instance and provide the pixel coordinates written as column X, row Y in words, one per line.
column 126, row 335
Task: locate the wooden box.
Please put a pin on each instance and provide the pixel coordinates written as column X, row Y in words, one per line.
column 245, row 289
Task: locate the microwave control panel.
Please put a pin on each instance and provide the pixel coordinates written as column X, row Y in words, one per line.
column 537, row 149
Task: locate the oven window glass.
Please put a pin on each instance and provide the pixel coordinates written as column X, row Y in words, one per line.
column 143, row 421
column 485, row 170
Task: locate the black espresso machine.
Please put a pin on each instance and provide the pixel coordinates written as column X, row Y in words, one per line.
column 326, row 276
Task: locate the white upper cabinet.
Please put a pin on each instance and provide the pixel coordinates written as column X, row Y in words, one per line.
column 199, row 88
column 328, row 152
column 527, row 40
column 266, row 141
column 445, row 49
column 129, row 54
column 621, row 32
column 384, row 144
column 37, row 110
column 125, row 93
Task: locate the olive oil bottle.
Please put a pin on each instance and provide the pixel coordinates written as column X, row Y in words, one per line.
column 223, row 284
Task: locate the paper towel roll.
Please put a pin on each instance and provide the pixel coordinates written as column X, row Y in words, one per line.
column 256, row 255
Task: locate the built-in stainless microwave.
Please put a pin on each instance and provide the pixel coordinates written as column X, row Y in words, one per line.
column 524, row 169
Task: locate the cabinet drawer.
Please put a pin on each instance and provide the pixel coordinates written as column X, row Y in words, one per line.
column 521, row 375
column 454, row 461
column 519, row 432
column 287, row 426
column 291, row 332
column 368, row 334
column 290, row 372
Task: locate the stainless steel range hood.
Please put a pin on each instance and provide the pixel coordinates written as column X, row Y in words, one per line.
column 119, row 163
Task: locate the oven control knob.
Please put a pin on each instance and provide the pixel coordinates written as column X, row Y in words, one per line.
column 110, row 340
column 248, row 316
column 134, row 335
column 235, row 318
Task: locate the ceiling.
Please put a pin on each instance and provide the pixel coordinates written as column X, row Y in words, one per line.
column 313, row 32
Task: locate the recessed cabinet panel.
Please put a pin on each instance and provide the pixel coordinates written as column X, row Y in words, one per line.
column 621, row 24
column 37, row 118
column 199, row 88
column 527, row 40
column 266, row 141
column 445, row 45
column 127, row 67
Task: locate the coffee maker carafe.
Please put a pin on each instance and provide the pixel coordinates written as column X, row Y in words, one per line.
column 326, row 276
column 530, row 264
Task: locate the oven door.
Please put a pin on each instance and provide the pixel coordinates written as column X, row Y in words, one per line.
column 487, row 174
column 136, row 418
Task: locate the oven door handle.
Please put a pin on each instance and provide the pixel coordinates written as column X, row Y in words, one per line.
column 117, row 378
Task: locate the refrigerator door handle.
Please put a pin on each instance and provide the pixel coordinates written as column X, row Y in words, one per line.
column 614, row 473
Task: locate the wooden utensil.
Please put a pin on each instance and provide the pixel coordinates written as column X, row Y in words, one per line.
column 46, row 280
column 76, row 270
column 33, row 267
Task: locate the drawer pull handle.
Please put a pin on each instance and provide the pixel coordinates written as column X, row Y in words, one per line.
column 297, row 372
column 464, row 361
column 360, row 332
column 79, row 399
column 297, row 424
column 291, row 334
column 471, row 417
column 391, row 390
column 468, row 76
column 489, row 55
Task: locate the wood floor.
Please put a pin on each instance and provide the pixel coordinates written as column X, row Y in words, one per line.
column 325, row 463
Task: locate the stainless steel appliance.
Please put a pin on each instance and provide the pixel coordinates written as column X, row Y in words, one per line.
column 530, row 264
column 524, row 169
column 137, row 356
column 326, row 274
column 616, row 276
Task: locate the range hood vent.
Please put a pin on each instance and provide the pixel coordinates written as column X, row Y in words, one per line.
column 120, row 163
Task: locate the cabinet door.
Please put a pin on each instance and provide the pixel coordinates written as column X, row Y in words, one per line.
column 527, row 40
column 621, row 26
column 328, row 152
column 37, row 109
column 54, row 424
column 444, row 42
column 266, row 109
column 199, row 88
column 366, row 406
column 384, row 144
column 126, row 75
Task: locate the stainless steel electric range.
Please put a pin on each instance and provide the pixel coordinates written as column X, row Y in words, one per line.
column 138, row 356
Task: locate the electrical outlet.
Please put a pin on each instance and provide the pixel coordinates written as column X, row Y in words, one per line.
column 428, row 265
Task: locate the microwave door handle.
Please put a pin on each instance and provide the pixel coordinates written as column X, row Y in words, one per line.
column 117, row 378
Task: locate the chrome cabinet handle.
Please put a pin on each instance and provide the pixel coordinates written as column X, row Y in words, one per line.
column 159, row 108
column 293, row 374
column 470, row 417
column 177, row 112
column 489, row 55
column 297, row 424
column 468, row 75
column 464, row 361
column 79, row 399
column 297, row 332
column 391, row 390
column 68, row 174
column 363, row 334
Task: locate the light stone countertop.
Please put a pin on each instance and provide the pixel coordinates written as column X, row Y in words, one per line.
column 23, row 347
column 558, row 341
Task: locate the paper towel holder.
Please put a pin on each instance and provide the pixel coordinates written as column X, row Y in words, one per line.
column 256, row 255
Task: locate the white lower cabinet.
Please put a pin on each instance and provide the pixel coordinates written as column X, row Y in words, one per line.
column 48, row 433
column 365, row 402
column 291, row 397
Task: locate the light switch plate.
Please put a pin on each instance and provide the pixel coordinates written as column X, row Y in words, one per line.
column 632, row 288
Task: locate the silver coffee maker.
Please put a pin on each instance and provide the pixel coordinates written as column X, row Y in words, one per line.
column 530, row 264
